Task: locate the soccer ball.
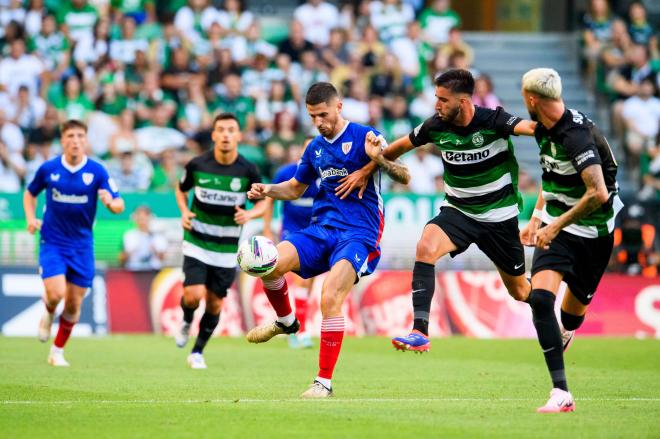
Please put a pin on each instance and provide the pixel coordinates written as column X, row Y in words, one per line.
column 257, row 256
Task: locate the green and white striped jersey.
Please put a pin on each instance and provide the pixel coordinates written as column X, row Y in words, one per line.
column 570, row 146
column 218, row 188
column 481, row 172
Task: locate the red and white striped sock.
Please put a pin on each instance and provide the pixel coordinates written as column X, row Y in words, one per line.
column 63, row 332
column 278, row 295
column 332, row 334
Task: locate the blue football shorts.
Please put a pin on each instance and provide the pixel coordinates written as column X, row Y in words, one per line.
column 75, row 263
column 320, row 247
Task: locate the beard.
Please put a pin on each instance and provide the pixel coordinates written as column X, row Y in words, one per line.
column 450, row 116
column 533, row 115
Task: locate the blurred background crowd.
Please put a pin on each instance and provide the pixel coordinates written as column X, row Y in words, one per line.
column 147, row 76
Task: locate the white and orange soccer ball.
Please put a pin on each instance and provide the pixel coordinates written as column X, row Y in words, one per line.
column 257, row 256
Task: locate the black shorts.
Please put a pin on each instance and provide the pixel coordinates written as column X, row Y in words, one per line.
column 582, row 261
column 216, row 279
column 500, row 241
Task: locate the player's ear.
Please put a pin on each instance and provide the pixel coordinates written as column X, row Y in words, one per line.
column 340, row 104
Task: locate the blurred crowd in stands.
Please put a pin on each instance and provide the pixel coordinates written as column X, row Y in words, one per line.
column 622, row 63
column 147, row 76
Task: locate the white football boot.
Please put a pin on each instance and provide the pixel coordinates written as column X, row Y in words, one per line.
column 56, row 357
column 196, row 361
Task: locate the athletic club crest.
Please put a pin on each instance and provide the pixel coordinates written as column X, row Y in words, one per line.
column 346, row 147
column 88, row 177
column 235, row 184
column 477, row 139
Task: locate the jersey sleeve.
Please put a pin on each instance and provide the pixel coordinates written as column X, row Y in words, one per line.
column 505, row 122
column 306, row 173
column 108, row 183
column 420, row 135
column 38, row 183
column 187, row 180
column 581, row 148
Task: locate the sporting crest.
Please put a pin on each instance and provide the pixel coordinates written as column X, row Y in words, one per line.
column 477, row 139
column 87, row 177
column 346, row 147
column 235, row 184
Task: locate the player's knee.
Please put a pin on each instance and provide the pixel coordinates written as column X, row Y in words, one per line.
column 542, row 302
column 72, row 310
column 571, row 322
column 425, row 252
column 330, row 305
column 520, row 292
column 213, row 304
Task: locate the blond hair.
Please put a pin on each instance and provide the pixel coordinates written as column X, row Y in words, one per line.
column 543, row 81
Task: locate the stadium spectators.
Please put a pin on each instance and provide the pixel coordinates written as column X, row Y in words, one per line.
column 143, row 248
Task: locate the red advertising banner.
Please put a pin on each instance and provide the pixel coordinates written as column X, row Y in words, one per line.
column 470, row 303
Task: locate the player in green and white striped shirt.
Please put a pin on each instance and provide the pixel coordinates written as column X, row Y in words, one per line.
column 573, row 223
column 220, row 179
column 482, row 200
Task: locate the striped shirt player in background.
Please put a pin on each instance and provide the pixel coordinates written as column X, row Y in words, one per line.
column 344, row 236
column 296, row 215
column 482, row 200
column 573, row 222
column 73, row 184
column 212, row 226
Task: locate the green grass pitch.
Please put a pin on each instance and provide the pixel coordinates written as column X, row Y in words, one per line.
column 139, row 386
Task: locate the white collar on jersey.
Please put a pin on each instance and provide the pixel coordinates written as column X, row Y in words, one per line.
column 74, row 169
column 338, row 134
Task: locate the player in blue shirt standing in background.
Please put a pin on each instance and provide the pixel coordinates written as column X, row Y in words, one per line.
column 344, row 235
column 73, row 184
column 296, row 215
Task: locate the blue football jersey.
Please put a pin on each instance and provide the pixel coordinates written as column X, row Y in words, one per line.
column 331, row 160
column 296, row 214
column 71, row 196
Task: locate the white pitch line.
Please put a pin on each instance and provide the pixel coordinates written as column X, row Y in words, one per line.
column 337, row 400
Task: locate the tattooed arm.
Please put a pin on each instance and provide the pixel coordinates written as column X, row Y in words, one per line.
column 394, row 168
column 595, row 196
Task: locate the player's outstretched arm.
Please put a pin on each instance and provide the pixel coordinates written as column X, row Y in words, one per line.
column 524, row 128
column 358, row 179
column 287, row 190
column 393, row 167
column 595, row 196
column 30, row 207
column 114, row 205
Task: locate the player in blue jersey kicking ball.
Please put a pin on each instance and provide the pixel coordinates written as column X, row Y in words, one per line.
column 296, row 215
column 73, row 184
column 344, row 236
